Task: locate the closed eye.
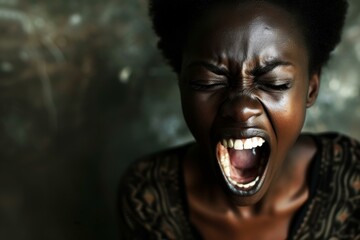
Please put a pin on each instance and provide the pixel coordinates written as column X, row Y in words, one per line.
column 207, row 86
column 277, row 86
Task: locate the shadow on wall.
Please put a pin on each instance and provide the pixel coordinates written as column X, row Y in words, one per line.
column 49, row 93
column 78, row 85
column 84, row 91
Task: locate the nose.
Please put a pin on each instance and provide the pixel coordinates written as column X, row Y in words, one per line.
column 241, row 108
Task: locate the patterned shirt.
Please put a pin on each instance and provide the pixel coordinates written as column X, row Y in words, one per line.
column 152, row 201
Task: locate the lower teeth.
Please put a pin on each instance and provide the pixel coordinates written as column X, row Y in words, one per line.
column 247, row 185
column 223, row 156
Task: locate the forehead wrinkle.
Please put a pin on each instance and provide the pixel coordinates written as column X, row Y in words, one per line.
column 248, row 67
column 243, row 42
column 233, row 55
column 249, row 53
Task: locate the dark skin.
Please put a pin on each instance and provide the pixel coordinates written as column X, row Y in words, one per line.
column 245, row 74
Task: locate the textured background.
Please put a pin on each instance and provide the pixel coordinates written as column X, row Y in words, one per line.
column 83, row 91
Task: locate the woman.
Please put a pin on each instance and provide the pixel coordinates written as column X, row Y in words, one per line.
column 247, row 72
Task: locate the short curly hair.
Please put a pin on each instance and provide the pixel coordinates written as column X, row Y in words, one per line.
column 321, row 20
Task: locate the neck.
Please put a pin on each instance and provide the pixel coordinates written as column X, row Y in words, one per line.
column 287, row 192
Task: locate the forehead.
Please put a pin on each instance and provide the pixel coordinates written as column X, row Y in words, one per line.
column 249, row 30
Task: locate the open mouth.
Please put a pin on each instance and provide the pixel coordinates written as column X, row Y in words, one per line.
column 243, row 163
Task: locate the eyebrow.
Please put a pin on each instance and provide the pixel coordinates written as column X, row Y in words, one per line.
column 211, row 67
column 268, row 67
column 257, row 71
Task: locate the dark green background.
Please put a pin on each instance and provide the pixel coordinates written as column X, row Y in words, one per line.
column 83, row 91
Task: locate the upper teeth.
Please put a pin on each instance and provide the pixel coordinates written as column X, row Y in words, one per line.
column 240, row 144
column 224, row 160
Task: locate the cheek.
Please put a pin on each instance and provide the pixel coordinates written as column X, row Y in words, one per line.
column 287, row 116
column 199, row 112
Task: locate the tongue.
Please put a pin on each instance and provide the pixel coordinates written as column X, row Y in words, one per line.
column 244, row 159
column 244, row 164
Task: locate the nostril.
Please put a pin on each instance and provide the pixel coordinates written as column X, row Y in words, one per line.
column 241, row 108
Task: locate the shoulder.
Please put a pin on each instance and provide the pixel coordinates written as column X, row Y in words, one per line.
column 153, row 170
column 338, row 139
column 150, row 196
column 340, row 164
column 340, row 151
column 333, row 210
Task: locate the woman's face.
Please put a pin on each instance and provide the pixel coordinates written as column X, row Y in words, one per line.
column 245, row 86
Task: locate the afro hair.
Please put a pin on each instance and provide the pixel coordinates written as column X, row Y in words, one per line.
column 321, row 20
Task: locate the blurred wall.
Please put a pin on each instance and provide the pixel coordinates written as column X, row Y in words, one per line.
column 83, row 91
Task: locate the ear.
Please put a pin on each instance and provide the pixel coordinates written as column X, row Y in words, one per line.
column 313, row 89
